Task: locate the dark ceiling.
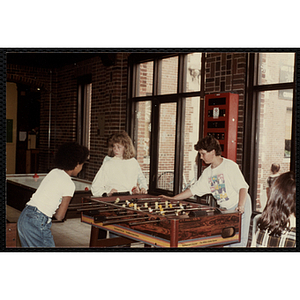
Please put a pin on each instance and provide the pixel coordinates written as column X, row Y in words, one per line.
column 56, row 60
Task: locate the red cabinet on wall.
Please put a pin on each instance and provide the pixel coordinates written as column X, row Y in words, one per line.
column 221, row 121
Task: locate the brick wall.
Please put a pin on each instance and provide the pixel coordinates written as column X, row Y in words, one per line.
column 227, row 72
column 59, row 93
column 109, row 94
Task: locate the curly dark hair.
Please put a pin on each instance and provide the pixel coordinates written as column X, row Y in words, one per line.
column 280, row 205
column 69, row 155
column 209, row 143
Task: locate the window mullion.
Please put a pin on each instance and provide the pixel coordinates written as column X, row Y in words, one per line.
column 180, row 121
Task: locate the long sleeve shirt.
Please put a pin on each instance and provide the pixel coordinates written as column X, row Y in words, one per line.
column 119, row 174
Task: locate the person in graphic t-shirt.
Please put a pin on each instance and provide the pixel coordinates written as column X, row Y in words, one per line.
column 225, row 181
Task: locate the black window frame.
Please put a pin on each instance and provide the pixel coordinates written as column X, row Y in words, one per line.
column 80, row 133
column 252, row 125
column 156, row 100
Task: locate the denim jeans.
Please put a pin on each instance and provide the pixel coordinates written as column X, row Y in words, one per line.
column 246, row 218
column 34, row 228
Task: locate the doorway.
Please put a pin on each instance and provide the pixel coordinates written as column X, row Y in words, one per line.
column 28, row 120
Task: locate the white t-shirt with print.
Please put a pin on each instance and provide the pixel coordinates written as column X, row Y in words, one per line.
column 48, row 196
column 223, row 182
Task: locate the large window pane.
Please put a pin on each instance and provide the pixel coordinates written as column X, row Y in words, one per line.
column 84, row 114
column 166, row 152
column 275, row 68
column 143, row 130
column 144, row 79
column 192, row 72
column 275, row 137
column 168, row 75
column 159, row 77
column 191, row 135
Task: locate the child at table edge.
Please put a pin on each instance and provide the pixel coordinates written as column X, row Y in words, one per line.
column 52, row 197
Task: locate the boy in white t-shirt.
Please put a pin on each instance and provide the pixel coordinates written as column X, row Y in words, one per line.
column 224, row 180
column 52, row 197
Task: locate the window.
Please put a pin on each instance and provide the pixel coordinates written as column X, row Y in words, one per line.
column 192, row 72
column 144, row 79
column 166, row 145
column 84, row 114
column 275, row 68
column 142, row 131
column 166, row 96
column 168, row 73
column 191, row 136
column 273, row 91
column 288, row 132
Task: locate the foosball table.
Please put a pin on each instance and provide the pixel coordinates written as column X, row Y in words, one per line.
column 158, row 222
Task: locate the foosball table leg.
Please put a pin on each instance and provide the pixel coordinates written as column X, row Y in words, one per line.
column 174, row 233
column 94, row 236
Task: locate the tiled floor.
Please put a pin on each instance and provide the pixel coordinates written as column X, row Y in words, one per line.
column 71, row 233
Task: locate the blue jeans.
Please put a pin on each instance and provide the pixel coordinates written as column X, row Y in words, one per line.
column 246, row 218
column 34, row 228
